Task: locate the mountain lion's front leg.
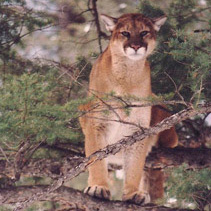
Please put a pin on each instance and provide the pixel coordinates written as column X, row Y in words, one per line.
column 98, row 173
column 134, row 164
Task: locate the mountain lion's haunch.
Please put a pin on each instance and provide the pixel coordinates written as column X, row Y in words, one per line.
column 123, row 70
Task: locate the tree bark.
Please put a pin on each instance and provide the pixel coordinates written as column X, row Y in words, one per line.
column 70, row 199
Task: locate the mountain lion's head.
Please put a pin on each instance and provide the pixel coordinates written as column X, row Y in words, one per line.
column 133, row 35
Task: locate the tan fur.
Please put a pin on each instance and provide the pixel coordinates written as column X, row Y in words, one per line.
column 123, row 69
column 154, row 179
column 167, row 138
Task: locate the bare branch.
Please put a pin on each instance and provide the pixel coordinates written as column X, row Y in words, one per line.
column 195, row 158
column 176, row 89
column 97, row 22
column 4, row 154
column 70, row 199
column 115, row 148
column 119, row 121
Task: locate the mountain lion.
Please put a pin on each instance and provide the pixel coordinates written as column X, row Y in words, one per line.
column 124, row 70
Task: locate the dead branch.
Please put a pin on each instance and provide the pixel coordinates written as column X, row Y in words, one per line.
column 115, row 148
column 195, row 158
column 97, row 23
column 70, row 199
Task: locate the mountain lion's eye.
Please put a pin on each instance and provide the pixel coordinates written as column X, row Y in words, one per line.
column 144, row 33
column 126, row 34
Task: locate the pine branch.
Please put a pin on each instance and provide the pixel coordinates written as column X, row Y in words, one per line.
column 115, row 148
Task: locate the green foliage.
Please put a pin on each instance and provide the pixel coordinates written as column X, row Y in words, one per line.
column 16, row 22
column 38, row 103
column 181, row 67
column 181, row 63
column 189, row 186
column 150, row 10
column 183, row 12
column 30, row 111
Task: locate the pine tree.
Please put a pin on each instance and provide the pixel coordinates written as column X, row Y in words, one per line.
column 39, row 105
column 180, row 65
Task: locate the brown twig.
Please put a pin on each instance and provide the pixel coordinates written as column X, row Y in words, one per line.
column 97, row 23
column 176, row 89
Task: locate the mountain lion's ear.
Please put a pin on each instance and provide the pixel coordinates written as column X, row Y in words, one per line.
column 158, row 22
column 109, row 22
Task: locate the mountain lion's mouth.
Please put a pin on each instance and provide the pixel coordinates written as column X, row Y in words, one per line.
column 135, row 54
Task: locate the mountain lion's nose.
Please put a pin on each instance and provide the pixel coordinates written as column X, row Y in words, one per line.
column 135, row 47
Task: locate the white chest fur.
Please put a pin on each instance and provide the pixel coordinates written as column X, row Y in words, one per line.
column 126, row 127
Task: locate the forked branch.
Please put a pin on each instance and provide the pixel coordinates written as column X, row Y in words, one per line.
column 115, row 148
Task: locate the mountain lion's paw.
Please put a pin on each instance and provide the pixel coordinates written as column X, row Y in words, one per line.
column 137, row 198
column 98, row 192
